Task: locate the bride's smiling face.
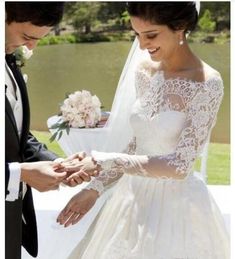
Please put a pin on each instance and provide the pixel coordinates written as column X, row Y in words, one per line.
column 160, row 41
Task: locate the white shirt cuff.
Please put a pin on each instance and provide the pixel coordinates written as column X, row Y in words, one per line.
column 14, row 181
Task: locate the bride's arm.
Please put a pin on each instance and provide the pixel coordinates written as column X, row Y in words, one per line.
column 201, row 117
column 110, row 176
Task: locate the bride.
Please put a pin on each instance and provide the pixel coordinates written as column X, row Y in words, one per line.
column 159, row 209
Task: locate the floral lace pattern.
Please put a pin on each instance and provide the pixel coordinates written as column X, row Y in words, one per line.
column 198, row 101
column 108, row 177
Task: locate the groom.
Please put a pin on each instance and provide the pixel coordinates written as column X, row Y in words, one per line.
column 28, row 163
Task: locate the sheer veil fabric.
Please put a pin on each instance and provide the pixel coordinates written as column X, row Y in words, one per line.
column 125, row 96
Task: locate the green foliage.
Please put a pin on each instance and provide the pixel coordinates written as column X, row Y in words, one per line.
column 206, row 23
column 222, row 38
column 220, row 13
column 83, row 15
column 60, row 126
column 51, row 39
column 218, row 164
column 109, row 21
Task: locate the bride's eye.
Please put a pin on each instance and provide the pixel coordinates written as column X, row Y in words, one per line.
column 136, row 34
column 152, row 36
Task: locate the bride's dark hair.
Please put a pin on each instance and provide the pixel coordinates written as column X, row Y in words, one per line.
column 176, row 15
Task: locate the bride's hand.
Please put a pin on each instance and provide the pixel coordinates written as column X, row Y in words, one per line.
column 77, row 207
column 78, row 170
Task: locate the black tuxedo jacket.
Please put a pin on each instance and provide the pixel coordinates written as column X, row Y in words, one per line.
column 20, row 230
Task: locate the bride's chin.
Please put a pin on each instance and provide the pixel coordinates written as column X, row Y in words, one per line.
column 155, row 59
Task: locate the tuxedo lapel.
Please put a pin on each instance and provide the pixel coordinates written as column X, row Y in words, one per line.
column 10, row 115
column 25, row 102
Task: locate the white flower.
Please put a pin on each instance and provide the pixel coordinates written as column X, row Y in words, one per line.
column 81, row 110
column 25, row 76
column 26, row 52
column 22, row 54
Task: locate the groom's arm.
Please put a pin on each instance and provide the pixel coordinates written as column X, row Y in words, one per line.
column 36, row 151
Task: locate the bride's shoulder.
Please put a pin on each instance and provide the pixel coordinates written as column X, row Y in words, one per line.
column 210, row 73
column 147, row 67
column 213, row 79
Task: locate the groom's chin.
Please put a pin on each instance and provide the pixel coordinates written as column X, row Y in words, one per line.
column 10, row 50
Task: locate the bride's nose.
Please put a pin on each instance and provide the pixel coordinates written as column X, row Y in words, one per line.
column 143, row 43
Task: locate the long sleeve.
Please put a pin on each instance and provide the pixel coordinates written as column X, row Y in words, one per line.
column 36, row 151
column 201, row 113
column 110, row 176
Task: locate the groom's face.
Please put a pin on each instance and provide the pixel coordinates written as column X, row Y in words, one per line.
column 25, row 33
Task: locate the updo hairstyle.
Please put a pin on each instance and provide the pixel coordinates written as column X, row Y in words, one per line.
column 176, row 15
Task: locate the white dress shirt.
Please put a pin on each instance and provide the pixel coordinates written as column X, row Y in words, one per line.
column 14, row 97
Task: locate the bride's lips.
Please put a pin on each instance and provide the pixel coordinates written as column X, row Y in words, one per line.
column 153, row 51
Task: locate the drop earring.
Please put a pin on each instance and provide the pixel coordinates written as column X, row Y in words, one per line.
column 181, row 42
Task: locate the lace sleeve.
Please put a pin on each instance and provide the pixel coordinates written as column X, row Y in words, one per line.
column 201, row 114
column 110, row 176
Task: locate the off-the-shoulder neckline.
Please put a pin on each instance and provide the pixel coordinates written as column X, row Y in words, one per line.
column 158, row 73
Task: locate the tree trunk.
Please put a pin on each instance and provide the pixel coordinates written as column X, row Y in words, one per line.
column 57, row 30
column 87, row 28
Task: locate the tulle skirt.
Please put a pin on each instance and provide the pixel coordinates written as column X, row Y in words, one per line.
column 148, row 218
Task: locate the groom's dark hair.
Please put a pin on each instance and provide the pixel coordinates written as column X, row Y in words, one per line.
column 37, row 13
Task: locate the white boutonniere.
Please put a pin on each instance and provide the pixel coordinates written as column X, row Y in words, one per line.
column 22, row 54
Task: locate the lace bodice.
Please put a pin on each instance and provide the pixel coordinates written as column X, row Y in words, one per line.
column 171, row 120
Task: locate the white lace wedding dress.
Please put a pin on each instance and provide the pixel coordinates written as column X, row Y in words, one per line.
column 159, row 209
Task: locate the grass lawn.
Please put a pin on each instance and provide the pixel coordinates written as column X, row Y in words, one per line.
column 218, row 165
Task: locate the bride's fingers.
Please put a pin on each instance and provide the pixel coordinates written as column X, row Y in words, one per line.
column 84, row 176
column 74, row 176
column 74, row 180
column 80, row 156
column 78, row 218
column 73, row 216
column 63, row 216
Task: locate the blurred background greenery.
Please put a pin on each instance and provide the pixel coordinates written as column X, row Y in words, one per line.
column 109, row 21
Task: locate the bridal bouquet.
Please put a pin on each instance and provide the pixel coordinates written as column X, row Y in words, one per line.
column 79, row 110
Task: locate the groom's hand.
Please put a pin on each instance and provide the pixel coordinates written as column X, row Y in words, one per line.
column 42, row 175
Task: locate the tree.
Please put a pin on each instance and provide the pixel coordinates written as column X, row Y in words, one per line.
column 206, row 23
column 83, row 15
column 220, row 13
